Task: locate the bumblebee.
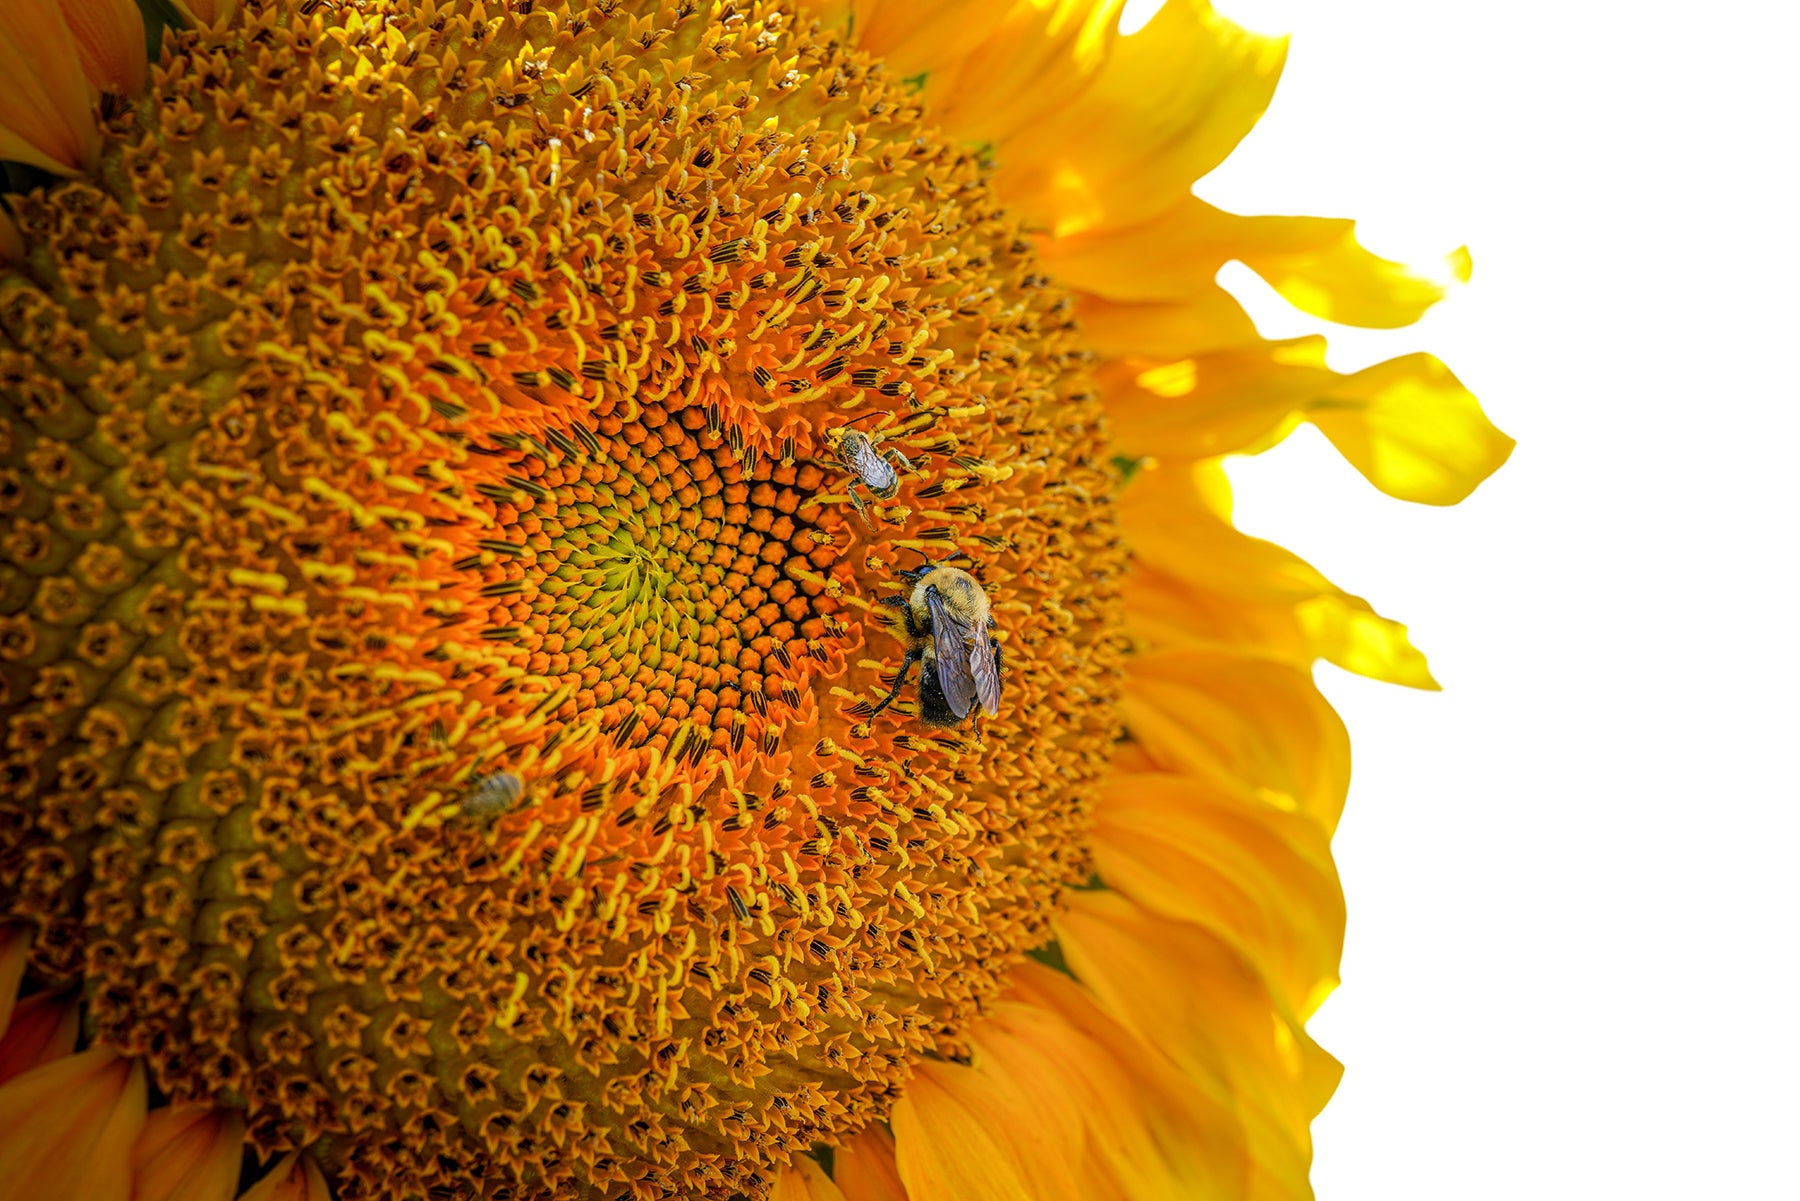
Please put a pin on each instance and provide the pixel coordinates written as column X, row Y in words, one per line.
column 874, row 469
column 949, row 632
column 492, row 795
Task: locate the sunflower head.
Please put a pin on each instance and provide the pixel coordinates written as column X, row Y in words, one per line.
column 437, row 654
column 565, row 622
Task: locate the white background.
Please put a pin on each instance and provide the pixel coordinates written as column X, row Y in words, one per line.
column 1571, row 876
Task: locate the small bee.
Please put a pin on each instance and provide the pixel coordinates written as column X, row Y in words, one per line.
column 874, row 468
column 949, row 631
column 492, row 795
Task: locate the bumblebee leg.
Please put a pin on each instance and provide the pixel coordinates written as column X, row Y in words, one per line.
column 912, row 657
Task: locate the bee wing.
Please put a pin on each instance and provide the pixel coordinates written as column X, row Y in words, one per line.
column 951, row 642
column 986, row 671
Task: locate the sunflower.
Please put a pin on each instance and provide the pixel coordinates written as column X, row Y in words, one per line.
column 469, row 472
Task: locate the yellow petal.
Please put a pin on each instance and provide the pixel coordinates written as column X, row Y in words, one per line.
column 67, row 1128
column 46, row 105
column 805, row 1180
column 1164, row 329
column 1412, row 429
column 1315, row 262
column 1178, row 987
column 942, row 1147
column 864, row 1168
column 1198, row 581
column 1167, row 106
column 923, row 36
column 1162, row 1133
column 109, row 35
column 1242, row 723
column 43, row 1028
column 188, row 1153
column 1029, row 68
column 1259, row 877
column 295, row 1178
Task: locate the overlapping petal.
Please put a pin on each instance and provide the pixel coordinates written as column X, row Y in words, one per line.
column 46, row 109
column 805, row 1180
column 109, row 36
column 1241, row 721
column 1182, row 989
column 1199, row 581
column 69, row 1126
column 1166, row 106
column 295, row 1178
column 865, row 1170
column 188, row 1153
column 1258, row 876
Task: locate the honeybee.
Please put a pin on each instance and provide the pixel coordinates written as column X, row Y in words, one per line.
column 492, row 795
column 949, row 632
column 874, row 469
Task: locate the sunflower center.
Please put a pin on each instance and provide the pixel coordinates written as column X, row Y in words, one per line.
column 438, row 638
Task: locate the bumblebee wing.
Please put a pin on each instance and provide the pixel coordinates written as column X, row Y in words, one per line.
column 951, row 639
column 986, row 670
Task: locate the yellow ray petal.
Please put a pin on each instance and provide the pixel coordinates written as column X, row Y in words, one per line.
column 1315, row 262
column 1180, row 988
column 188, row 1153
column 295, row 1178
column 1164, row 1134
column 46, row 105
column 1170, row 102
column 942, row 1147
column 865, row 1170
column 1412, row 429
column 67, row 1128
column 109, row 35
column 1243, row 723
column 1032, row 66
column 1199, row 580
column 1164, row 329
column 929, row 36
column 43, row 1028
column 1407, row 424
column 1259, row 877
column 805, row 1180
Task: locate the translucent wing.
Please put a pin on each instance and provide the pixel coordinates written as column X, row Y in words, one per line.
column 951, row 640
column 986, row 671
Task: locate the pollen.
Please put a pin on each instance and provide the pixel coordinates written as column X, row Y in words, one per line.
column 437, row 645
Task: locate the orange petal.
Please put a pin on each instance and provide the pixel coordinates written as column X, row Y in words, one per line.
column 46, row 105
column 1179, row 988
column 188, row 1153
column 805, row 1180
column 1164, row 1134
column 865, row 1170
column 295, row 1178
column 1315, row 262
column 109, row 35
column 1244, row 724
column 15, row 947
column 942, row 1146
column 1259, row 877
column 1040, row 59
column 67, row 1128
column 1167, row 106
column 43, row 1028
